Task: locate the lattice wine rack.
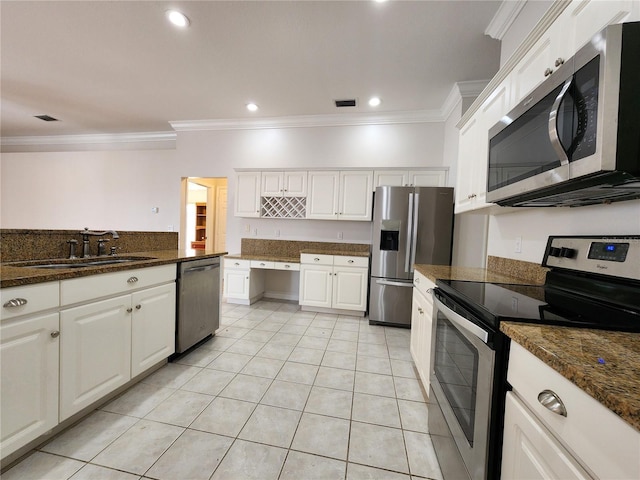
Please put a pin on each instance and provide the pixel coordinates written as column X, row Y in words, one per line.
column 283, row 207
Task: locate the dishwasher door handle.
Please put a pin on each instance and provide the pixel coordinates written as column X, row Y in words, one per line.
column 201, row 269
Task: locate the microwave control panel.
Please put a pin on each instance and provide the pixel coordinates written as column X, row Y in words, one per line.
column 617, row 256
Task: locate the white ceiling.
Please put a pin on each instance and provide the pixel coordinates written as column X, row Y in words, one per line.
column 119, row 67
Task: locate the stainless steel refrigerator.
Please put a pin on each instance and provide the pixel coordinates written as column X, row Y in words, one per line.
column 411, row 225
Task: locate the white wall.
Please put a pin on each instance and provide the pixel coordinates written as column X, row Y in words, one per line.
column 535, row 225
column 117, row 189
column 100, row 190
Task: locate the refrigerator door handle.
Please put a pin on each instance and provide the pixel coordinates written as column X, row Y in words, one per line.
column 394, row 284
column 414, row 235
column 410, row 229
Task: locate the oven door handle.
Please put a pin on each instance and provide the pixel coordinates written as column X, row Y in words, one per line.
column 462, row 322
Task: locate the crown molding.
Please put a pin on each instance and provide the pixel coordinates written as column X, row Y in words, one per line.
column 460, row 90
column 160, row 140
column 504, row 17
column 305, row 121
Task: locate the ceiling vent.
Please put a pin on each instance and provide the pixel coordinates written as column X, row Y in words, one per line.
column 345, row 103
column 46, row 118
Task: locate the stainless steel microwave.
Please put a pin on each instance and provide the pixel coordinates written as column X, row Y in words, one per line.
column 575, row 140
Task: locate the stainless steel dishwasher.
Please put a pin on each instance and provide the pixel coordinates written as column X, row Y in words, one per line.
column 197, row 302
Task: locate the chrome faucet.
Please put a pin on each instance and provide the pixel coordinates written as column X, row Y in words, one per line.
column 85, row 239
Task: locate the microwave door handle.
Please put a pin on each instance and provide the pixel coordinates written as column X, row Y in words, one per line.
column 553, row 124
column 410, row 227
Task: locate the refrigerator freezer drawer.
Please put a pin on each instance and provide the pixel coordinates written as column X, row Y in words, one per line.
column 390, row 302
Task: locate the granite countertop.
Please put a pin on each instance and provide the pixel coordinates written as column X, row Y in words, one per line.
column 446, row 272
column 12, row 275
column 344, row 253
column 574, row 353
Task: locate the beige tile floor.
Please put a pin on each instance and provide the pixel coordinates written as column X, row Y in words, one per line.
column 278, row 393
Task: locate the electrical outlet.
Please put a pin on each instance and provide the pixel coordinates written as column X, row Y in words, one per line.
column 339, row 235
column 518, row 244
column 247, row 228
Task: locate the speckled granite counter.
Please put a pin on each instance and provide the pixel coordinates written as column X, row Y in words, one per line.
column 267, row 258
column 574, row 353
column 499, row 270
column 12, row 276
column 290, row 250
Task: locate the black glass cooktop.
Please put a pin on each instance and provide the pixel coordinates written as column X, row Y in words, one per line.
column 550, row 305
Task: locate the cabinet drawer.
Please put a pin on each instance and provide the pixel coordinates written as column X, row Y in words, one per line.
column 261, row 264
column 314, row 259
column 423, row 285
column 103, row 285
column 28, row 299
column 606, row 444
column 286, row 266
column 237, row 263
column 346, row 261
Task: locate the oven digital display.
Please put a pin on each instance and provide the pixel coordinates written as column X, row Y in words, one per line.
column 613, row 252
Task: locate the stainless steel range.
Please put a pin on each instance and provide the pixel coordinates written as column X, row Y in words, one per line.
column 594, row 282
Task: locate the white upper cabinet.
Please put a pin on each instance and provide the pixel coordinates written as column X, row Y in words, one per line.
column 355, row 199
column 247, row 203
column 322, row 200
column 284, row 184
column 410, row 178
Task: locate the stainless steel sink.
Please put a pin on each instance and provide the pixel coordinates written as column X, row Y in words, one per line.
column 93, row 262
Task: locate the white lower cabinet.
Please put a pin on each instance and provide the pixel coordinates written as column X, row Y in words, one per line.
column 242, row 283
column 29, row 349
column 530, row 451
column 421, row 327
column 334, row 282
column 590, row 441
column 95, row 356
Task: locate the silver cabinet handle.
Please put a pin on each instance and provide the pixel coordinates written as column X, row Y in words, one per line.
column 129, row 310
column 55, row 334
column 316, row 259
column 548, row 72
column 236, row 264
column 132, row 280
column 138, row 307
column 420, row 311
column 286, row 266
column 550, row 400
column 262, row 264
column 15, row 302
column 349, row 261
column 417, row 280
column 559, row 61
column 429, row 290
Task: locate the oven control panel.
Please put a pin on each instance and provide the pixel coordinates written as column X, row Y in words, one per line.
column 617, row 256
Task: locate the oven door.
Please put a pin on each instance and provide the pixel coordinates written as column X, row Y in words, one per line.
column 461, row 384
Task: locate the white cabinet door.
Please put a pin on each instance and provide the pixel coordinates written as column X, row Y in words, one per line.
column 322, row 201
column 467, row 157
column 153, row 327
column 530, row 451
column 350, row 288
column 356, row 199
column 95, row 352
column 247, row 202
column 29, row 359
column 428, row 178
column 316, row 285
column 236, row 284
column 271, row 184
column 421, row 324
column 394, row 178
column 295, row 184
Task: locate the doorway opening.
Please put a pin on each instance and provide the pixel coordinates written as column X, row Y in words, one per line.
column 204, row 213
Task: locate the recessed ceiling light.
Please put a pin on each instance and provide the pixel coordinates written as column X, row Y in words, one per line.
column 179, row 19
column 252, row 107
column 374, row 101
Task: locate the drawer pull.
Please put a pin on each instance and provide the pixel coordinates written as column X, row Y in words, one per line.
column 420, row 311
column 429, row 291
column 552, row 402
column 129, row 310
column 55, row 334
column 132, row 280
column 316, row 259
column 15, row 302
column 262, row 264
column 286, row 266
column 236, row 264
column 349, row 261
column 417, row 280
column 138, row 307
